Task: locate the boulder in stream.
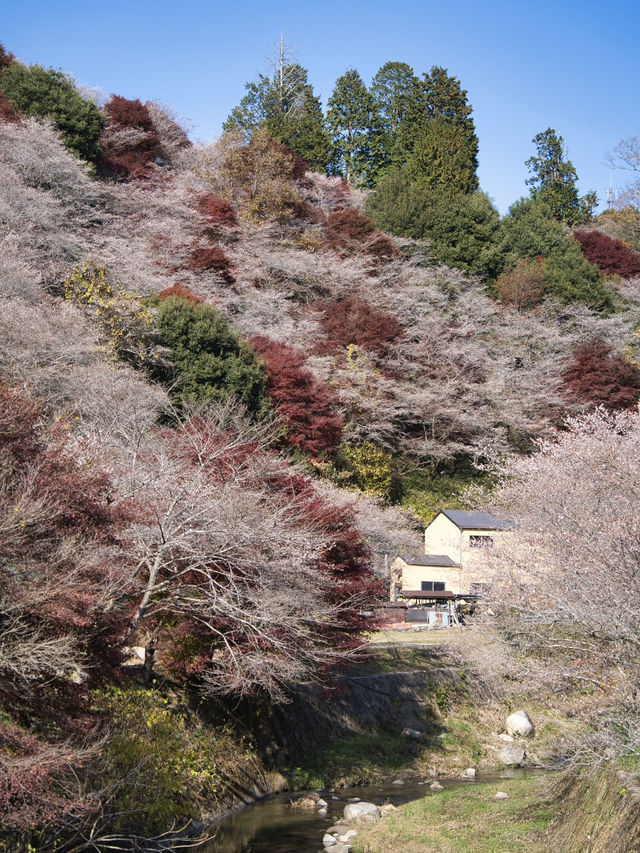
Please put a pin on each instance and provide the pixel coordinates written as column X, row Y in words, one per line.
column 359, row 811
column 512, row 755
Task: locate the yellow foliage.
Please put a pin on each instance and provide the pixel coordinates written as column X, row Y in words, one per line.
column 371, row 468
column 124, row 323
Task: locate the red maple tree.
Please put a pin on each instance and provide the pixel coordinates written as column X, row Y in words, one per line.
column 307, row 407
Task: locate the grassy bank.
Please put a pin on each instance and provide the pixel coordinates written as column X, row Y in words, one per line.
column 465, row 819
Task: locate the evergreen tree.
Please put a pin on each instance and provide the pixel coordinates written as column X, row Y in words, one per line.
column 45, row 93
column 393, row 89
column 553, row 180
column 284, row 104
column 530, row 232
column 355, row 126
column 210, row 361
column 443, row 160
column 438, row 96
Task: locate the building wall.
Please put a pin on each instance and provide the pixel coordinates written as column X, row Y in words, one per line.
column 412, row 576
column 442, row 536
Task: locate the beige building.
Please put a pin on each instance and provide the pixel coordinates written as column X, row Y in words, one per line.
column 455, row 558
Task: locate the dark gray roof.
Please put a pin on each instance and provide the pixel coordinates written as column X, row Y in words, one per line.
column 477, row 520
column 428, row 560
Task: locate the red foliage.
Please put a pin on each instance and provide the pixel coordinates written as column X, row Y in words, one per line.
column 611, row 256
column 305, row 405
column 128, row 113
column 5, row 57
column 598, row 377
column 129, row 158
column 8, row 111
column 52, row 500
column 218, row 210
column 354, row 321
column 349, row 232
column 30, row 790
column 346, row 561
column 181, row 291
column 207, row 257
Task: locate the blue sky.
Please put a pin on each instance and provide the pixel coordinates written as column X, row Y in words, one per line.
column 573, row 66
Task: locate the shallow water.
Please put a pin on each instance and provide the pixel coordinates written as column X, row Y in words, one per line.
column 272, row 826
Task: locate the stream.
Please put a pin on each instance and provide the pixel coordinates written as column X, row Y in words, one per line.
column 270, row 825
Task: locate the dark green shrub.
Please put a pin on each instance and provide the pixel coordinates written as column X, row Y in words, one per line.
column 46, row 93
column 210, row 361
column 461, row 229
column 529, row 232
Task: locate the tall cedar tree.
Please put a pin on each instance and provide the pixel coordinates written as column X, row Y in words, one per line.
column 439, row 97
column 356, row 129
column 307, row 407
column 611, row 256
column 393, row 88
column 598, row 377
column 287, row 108
column 133, row 155
column 554, row 178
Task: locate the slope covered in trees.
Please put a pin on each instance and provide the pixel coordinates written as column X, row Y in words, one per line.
column 224, row 391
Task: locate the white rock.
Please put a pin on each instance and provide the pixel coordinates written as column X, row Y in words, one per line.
column 469, row 773
column 512, row 755
column 388, row 808
column 322, row 804
column 366, row 818
column 398, row 782
column 347, row 836
column 506, row 738
column 436, row 786
column 354, row 811
column 329, row 840
column 520, row 723
column 501, row 795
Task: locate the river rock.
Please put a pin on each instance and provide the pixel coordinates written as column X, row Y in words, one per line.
column 346, row 837
column 436, row 786
column 520, row 724
column 329, row 841
column 321, row 804
column 506, row 738
column 304, row 803
column 512, row 755
column 501, row 795
column 388, row 808
column 469, row 773
column 398, row 782
column 356, row 811
column 412, row 733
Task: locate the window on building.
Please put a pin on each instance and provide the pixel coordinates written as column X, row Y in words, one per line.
column 480, row 541
column 432, row 586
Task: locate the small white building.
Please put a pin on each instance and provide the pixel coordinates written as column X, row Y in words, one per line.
column 455, row 559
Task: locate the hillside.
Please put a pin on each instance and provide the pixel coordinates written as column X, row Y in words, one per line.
column 226, row 399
